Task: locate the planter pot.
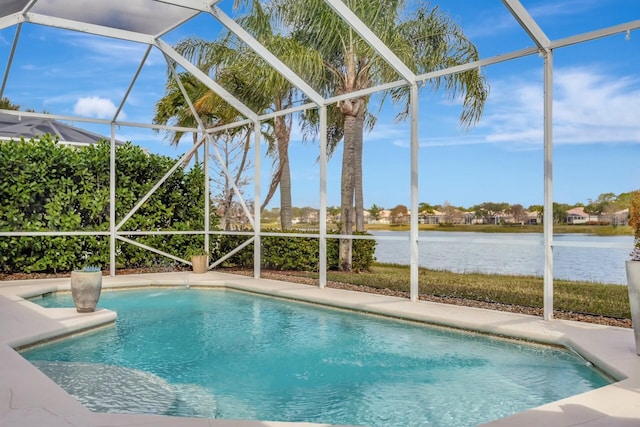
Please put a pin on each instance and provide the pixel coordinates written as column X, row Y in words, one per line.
column 633, row 282
column 85, row 290
column 200, row 263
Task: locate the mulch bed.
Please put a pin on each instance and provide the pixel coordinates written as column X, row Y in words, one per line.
column 287, row 277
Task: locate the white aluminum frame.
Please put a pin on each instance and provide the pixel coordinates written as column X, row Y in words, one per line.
column 543, row 46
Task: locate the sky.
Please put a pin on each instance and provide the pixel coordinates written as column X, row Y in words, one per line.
column 596, row 127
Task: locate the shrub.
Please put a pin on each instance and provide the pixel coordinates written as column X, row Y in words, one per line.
column 46, row 186
column 294, row 253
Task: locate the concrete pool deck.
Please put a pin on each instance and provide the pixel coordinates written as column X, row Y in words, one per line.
column 29, row 398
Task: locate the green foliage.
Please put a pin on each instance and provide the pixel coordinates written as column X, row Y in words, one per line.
column 6, row 104
column 604, row 202
column 374, row 211
column 290, row 253
column 46, row 186
column 295, row 253
column 363, row 253
column 488, row 211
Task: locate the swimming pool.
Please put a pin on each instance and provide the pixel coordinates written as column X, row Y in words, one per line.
column 225, row 354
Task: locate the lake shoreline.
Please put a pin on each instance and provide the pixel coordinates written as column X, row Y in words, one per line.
column 594, row 230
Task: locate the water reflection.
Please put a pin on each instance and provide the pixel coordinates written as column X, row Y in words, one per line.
column 575, row 256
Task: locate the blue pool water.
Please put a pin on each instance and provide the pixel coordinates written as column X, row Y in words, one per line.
column 225, row 354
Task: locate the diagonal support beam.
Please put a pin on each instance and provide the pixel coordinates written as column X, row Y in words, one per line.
column 265, row 54
column 133, row 82
column 527, row 23
column 29, row 6
column 233, row 252
column 373, row 40
column 166, row 176
column 151, row 249
column 193, row 5
column 8, row 69
column 185, row 95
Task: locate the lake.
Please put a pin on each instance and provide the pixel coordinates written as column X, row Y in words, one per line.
column 575, row 256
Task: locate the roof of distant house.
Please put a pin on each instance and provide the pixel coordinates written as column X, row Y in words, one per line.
column 577, row 211
column 14, row 127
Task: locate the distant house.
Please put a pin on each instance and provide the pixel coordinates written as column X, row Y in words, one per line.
column 308, row 216
column 532, row 218
column 430, row 218
column 16, row 126
column 578, row 216
column 311, row 217
column 619, row 217
column 384, row 217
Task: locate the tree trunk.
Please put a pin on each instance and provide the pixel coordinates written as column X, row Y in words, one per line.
column 282, row 175
column 357, row 170
column 195, row 141
column 347, row 194
column 286, row 215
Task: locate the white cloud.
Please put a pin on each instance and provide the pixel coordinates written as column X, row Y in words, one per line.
column 387, row 131
column 589, row 106
column 110, row 50
column 452, row 141
column 562, row 8
column 494, row 21
column 94, row 106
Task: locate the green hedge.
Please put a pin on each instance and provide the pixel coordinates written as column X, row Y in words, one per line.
column 294, row 253
column 46, row 186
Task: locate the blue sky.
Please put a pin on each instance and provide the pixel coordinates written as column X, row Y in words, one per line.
column 596, row 104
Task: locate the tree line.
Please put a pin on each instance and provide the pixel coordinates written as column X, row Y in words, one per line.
column 604, row 204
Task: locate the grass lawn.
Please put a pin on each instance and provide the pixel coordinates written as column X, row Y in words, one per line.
column 580, row 297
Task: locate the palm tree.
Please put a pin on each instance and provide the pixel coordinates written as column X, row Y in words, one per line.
column 6, row 104
column 263, row 89
column 424, row 38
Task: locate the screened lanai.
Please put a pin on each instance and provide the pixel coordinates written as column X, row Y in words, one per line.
column 150, row 29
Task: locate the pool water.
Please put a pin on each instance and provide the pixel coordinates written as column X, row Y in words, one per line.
column 233, row 355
